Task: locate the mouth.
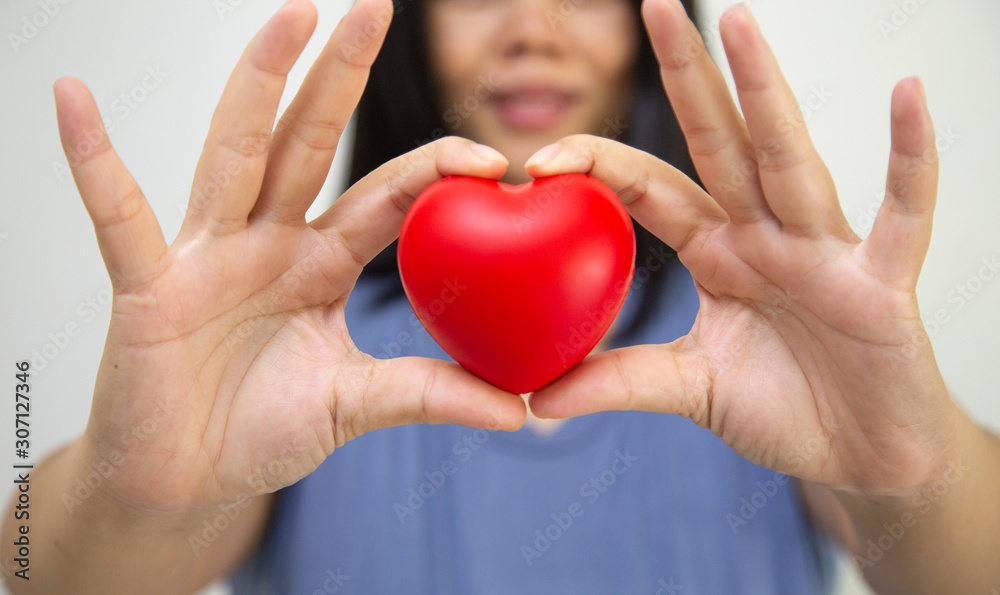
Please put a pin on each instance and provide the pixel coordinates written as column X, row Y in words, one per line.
column 532, row 108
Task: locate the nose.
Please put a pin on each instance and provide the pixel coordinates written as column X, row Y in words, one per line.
column 533, row 28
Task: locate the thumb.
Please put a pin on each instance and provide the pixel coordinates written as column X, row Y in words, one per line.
column 368, row 216
column 662, row 378
column 410, row 390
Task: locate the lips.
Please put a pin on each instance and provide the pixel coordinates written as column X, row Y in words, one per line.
column 532, row 108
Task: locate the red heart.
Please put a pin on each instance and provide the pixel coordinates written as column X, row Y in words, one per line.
column 517, row 283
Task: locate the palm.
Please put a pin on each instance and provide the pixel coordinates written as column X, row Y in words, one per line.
column 237, row 331
column 228, row 369
column 808, row 354
column 806, row 359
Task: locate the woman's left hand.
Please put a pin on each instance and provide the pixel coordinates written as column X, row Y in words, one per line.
column 808, row 354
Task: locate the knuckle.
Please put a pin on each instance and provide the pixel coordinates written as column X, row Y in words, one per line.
column 707, row 141
column 249, row 144
column 316, row 134
column 123, row 210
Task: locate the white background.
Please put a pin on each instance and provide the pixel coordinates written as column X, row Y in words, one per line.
column 51, row 271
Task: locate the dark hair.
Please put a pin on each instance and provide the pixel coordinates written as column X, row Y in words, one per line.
column 400, row 111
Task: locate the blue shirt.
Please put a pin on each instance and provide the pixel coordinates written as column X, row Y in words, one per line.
column 617, row 502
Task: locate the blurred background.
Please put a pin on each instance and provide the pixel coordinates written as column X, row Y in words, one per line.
column 171, row 59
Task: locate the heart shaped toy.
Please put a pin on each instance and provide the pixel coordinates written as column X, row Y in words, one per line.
column 517, row 283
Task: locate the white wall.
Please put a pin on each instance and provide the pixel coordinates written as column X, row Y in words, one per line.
column 51, row 271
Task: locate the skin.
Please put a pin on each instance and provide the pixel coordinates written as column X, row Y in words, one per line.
column 511, row 44
column 232, row 339
column 588, row 52
column 808, row 354
column 790, row 300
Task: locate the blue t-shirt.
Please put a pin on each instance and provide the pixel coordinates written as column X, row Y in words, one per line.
column 616, row 502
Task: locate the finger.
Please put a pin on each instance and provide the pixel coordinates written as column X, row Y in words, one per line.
column 639, row 378
column 228, row 176
column 901, row 234
column 661, row 198
column 128, row 234
column 307, row 135
column 797, row 185
column 717, row 137
column 411, row 390
column 368, row 216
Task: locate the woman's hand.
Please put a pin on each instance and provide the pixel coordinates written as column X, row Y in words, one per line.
column 808, row 354
column 228, row 370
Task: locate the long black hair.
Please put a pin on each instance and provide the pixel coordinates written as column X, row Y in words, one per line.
column 400, row 111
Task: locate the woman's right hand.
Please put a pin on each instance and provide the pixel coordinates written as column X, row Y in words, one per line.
column 228, row 370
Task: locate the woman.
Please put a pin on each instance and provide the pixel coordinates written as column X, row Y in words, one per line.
column 446, row 509
column 235, row 339
column 487, row 58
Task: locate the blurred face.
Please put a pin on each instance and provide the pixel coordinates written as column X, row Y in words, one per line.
column 520, row 74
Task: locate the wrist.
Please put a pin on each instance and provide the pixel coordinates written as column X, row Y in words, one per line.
column 941, row 533
column 951, row 489
column 82, row 536
column 944, row 460
column 92, row 489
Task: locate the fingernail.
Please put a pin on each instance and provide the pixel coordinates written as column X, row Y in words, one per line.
column 920, row 86
column 544, row 155
column 735, row 11
column 488, row 154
